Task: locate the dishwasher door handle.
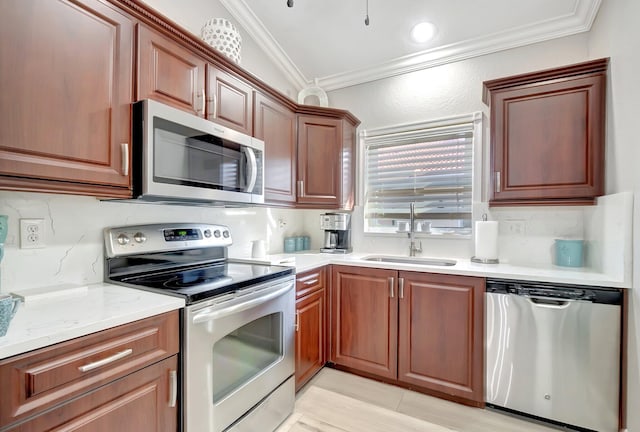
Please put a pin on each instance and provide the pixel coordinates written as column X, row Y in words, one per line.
column 549, row 302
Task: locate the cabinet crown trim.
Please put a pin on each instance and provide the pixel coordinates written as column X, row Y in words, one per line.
column 593, row 66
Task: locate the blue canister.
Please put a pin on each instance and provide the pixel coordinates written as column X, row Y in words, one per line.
column 569, row 253
column 299, row 243
column 289, row 244
column 306, row 242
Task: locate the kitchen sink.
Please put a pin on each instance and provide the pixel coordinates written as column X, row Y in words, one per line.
column 411, row 260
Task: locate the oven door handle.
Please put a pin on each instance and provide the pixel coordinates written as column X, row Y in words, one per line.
column 206, row 316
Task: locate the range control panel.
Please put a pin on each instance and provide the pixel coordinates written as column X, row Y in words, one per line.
column 136, row 239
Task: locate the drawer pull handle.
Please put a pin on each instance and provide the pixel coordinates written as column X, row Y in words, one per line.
column 173, row 388
column 401, row 288
column 391, row 287
column 105, row 361
column 297, row 320
column 311, row 282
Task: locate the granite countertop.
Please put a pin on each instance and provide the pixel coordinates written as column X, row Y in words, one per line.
column 46, row 321
column 567, row 275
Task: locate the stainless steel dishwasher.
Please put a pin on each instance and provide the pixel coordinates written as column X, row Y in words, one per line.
column 553, row 352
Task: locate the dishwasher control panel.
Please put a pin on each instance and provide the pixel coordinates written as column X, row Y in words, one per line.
column 554, row 291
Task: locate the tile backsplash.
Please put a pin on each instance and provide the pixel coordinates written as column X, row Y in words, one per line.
column 73, row 236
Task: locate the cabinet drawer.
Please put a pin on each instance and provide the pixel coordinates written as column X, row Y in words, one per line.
column 141, row 402
column 43, row 378
column 310, row 281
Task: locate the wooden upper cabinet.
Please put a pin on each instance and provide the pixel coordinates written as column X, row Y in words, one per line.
column 66, row 86
column 319, row 161
column 170, row 73
column 440, row 342
column 364, row 320
column 275, row 124
column 229, row 100
column 548, row 135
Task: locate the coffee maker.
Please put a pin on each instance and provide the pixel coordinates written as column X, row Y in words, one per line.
column 337, row 232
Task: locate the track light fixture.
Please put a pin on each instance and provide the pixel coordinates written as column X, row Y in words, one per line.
column 366, row 17
column 290, row 3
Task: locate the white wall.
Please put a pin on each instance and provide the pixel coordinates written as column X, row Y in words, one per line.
column 616, row 34
column 253, row 59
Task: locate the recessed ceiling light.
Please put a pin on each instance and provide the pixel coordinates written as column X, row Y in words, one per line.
column 422, row 32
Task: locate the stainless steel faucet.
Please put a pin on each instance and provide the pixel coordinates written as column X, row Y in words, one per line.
column 413, row 248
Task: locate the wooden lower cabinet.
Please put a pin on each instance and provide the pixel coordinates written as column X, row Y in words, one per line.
column 364, row 320
column 311, row 311
column 440, row 338
column 139, row 402
column 421, row 330
column 119, row 379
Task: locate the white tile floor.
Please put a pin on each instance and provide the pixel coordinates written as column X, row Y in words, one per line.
column 336, row 401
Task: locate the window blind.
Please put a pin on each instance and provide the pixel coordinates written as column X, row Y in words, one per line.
column 431, row 167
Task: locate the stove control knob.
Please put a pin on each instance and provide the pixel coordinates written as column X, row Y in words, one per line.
column 216, row 233
column 123, row 239
column 225, row 234
column 140, row 237
column 207, row 233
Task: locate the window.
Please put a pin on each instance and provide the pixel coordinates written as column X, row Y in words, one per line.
column 429, row 164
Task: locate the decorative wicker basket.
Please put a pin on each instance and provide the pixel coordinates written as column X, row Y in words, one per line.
column 223, row 36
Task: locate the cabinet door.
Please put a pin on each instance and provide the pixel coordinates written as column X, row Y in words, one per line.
column 170, row 73
column 441, row 333
column 140, row 402
column 310, row 336
column 319, row 161
column 275, row 124
column 230, row 100
column 364, row 320
column 66, row 86
column 548, row 138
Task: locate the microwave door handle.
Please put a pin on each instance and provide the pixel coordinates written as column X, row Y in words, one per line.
column 252, row 168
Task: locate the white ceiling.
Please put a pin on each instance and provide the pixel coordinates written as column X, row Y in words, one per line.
column 328, row 40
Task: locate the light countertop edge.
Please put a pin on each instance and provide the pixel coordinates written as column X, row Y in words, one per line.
column 45, row 322
column 552, row 274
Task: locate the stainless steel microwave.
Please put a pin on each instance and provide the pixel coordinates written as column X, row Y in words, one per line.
column 179, row 157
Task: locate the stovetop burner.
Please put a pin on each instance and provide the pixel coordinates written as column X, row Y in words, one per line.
column 205, row 282
column 194, row 267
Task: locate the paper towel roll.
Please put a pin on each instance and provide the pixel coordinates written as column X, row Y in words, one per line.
column 487, row 239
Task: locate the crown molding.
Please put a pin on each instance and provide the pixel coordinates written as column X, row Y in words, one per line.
column 579, row 21
column 263, row 38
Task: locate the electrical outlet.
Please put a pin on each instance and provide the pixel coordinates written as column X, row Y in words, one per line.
column 32, row 233
column 514, row 227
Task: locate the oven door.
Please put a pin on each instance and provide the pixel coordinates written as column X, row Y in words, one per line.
column 187, row 157
column 237, row 351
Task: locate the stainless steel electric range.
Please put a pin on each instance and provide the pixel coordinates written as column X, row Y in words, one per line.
column 237, row 359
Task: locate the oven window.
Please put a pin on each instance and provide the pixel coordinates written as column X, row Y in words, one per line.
column 245, row 353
